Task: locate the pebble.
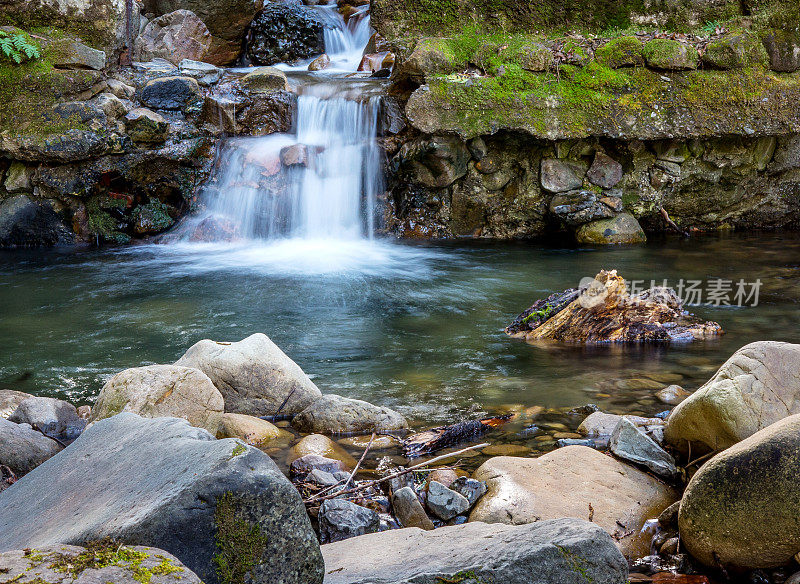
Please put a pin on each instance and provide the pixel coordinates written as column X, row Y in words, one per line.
column 672, row 395
column 445, row 503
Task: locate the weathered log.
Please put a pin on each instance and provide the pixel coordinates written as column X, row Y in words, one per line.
column 446, row 436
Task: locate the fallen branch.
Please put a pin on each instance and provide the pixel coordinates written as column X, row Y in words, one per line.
column 671, row 223
column 352, row 474
column 373, row 483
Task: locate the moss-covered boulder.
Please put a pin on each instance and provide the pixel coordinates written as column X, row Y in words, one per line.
column 67, row 53
column 144, row 125
column 740, row 509
column 670, row 55
column 625, row 51
column 223, row 508
column 783, row 47
column 624, row 228
column 735, row 52
column 265, row 80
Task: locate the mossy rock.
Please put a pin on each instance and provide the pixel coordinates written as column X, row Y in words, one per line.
column 622, row 229
column 670, row 55
column 783, row 48
column 735, row 52
column 625, row 51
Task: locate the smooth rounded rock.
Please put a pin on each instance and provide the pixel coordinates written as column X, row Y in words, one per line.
column 331, row 414
column 622, row 229
column 323, row 446
column 252, row 430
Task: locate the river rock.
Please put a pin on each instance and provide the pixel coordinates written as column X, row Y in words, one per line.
column 605, row 172
column 558, row 176
column 72, row 54
column 672, row 395
column 332, row 414
column 322, row 478
column 562, row 551
column 22, row 449
column 340, row 519
column 323, row 446
column 320, row 63
column 28, row 223
column 445, row 503
column 469, row 488
column 159, row 391
column 265, row 80
column 54, row 417
column 111, row 106
column 740, row 509
column 254, row 376
column 574, row 481
column 205, row 73
column 10, row 400
column 783, row 48
column 121, row 89
column 311, row 462
column 601, row 424
column 378, row 443
column 252, row 430
column 285, row 31
column 622, row 229
column 172, row 93
column 144, row 125
column 175, row 36
column 756, row 387
column 445, row 476
column 409, row 510
column 64, row 564
column 633, row 445
column 146, row 480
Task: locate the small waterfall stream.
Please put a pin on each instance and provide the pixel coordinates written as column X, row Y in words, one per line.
column 319, row 182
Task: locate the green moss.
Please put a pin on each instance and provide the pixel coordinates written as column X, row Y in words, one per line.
column 98, row 554
column 238, row 450
column 463, row 577
column 669, row 54
column 241, row 544
column 576, row 563
column 102, row 223
column 624, row 51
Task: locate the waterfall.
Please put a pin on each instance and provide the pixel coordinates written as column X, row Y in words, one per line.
column 319, row 182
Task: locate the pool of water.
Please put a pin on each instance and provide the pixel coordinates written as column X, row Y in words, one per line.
column 415, row 327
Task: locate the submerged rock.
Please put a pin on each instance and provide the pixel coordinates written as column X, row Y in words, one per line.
column 254, row 376
column 604, row 312
column 562, row 551
column 164, row 483
column 339, row 519
column 332, row 414
column 574, row 481
column 756, row 387
column 22, row 449
column 96, row 563
column 672, row 395
column 741, row 508
column 161, row 391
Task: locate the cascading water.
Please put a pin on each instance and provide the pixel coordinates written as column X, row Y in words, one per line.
column 319, row 182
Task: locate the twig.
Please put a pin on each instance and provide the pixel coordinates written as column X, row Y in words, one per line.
column 352, row 474
column 699, row 458
column 375, row 482
column 283, row 405
column 671, row 223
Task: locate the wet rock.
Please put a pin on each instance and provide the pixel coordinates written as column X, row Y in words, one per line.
column 10, row 400
column 120, row 89
column 445, row 503
column 566, row 550
column 735, row 52
column 753, row 389
column 340, row 519
column 379, row 443
column 436, row 162
column 205, row 73
column 377, row 44
column 53, row 417
column 409, row 510
column 670, row 55
column 558, row 176
column 605, row 171
column 148, row 479
column 254, row 376
column 672, row 395
column 323, row 446
column 668, row 518
column 172, row 93
column 633, row 445
column 220, row 112
column 162, row 390
column 578, row 207
column 267, row 114
column 265, row 80
column 22, row 448
column 174, row 36
column 310, row 462
column 294, row 155
column 158, row 67
column 740, row 509
column 27, row 223
column 320, row 63
column 469, row 488
column 144, row 125
column 373, row 62
column 252, row 430
column 783, row 48
column 120, row 565
column 152, row 217
column 111, row 106
column 284, row 31
column 506, row 450
column 333, row 414
column 71, row 54
column 622, row 229
column 622, row 498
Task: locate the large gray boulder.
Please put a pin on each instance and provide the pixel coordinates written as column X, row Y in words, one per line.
column 214, row 504
column 254, row 376
column 333, row 414
column 99, row 563
column 22, row 449
column 54, row 417
column 756, row 387
column 741, row 508
column 157, row 391
column 564, row 551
